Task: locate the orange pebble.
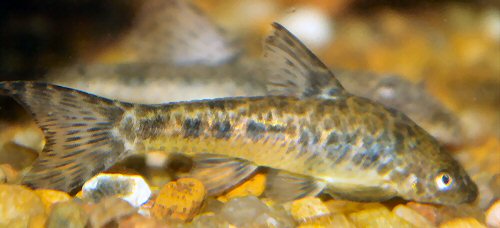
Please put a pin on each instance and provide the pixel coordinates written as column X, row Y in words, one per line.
column 49, row 197
column 179, row 200
column 428, row 211
column 308, row 208
column 462, row 223
column 254, row 186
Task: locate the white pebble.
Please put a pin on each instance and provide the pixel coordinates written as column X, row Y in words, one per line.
column 493, row 215
column 491, row 24
column 311, row 25
column 131, row 188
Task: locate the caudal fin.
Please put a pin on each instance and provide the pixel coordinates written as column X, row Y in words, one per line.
column 79, row 132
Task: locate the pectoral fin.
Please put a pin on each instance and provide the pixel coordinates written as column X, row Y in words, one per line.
column 283, row 186
column 220, row 173
column 295, row 70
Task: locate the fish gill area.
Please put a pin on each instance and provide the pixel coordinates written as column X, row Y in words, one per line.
column 451, row 49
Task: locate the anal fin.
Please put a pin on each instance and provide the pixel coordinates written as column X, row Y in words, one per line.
column 283, row 186
column 220, row 173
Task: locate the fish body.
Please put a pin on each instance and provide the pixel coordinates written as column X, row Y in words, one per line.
column 181, row 55
column 357, row 140
column 163, row 82
column 312, row 133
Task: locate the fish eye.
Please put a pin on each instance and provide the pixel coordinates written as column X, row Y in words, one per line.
column 444, row 181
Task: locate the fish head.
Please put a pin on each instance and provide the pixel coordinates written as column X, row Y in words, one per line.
column 449, row 185
column 438, row 178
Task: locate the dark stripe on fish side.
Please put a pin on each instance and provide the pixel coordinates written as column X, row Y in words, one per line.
column 336, row 148
column 222, row 130
column 307, row 138
column 255, row 130
column 385, row 168
column 191, row 127
column 151, row 127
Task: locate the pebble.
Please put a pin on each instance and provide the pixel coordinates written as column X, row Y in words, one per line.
column 249, row 211
column 109, row 210
column 139, row 221
column 156, row 159
column 50, row 197
column 18, row 203
column 462, row 223
column 377, row 217
column 411, row 216
column 179, row 200
column 7, row 174
column 335, row 220
column 17, row 156
column 38, row 221
column 311, row 25
column 131, row 188
column 308, row 208
column 430, row 212
column 208, row 220
column 495, row 185
column 244, row 210
column 254, row 186
column 346, row 206
column 67, row 214
column 212, row 205
column 493, row 215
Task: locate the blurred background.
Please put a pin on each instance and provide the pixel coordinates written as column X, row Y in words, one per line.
column 451, row 47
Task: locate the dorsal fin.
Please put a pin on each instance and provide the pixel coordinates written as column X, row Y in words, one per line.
column 175, row 31
column 295, row 70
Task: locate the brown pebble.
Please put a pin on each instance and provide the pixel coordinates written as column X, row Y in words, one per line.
column 7, row 173
column 67, row 214
column 109, row 210
column 411, row 216
column 428, row 211
column 139, row 221
column 179, row 200
column 335, row 220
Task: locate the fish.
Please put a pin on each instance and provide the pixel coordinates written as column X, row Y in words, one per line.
column 311, row 134
column 180, row 54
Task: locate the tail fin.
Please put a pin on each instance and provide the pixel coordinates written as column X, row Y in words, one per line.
column 78, row 129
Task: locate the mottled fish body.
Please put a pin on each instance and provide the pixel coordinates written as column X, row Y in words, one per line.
column 313, row 135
